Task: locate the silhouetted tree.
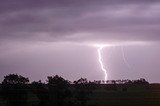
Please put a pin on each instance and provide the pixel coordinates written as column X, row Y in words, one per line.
column 82, row 91
column 15, row 79
column 113, row 81
column 81, row 81
column 140, row 81
column 14, row 90
column 41, row 91
column 58, row 90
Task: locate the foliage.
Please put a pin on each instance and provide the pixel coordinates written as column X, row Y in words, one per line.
column 15, row 88
column 15, row 79
column 41, row 90
column 57, row 81
column 81, row 81
column 60, row 92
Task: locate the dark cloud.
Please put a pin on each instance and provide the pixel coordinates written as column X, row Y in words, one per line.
column 80, row 20
column 23, row 23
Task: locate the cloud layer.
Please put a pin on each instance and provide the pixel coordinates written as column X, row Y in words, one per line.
column 80, row 20
column 39, row 38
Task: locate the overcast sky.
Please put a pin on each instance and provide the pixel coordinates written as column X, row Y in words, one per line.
column 39, row 38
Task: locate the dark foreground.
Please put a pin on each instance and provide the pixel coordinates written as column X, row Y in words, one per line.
column 81, row 95
column 16, row 90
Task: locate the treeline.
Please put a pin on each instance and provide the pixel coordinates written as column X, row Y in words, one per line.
column 16, row 90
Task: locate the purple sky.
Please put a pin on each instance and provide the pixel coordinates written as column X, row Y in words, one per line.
column 48, row 37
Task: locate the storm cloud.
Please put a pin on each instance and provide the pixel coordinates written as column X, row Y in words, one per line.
column 80, row 20
column 47, row 37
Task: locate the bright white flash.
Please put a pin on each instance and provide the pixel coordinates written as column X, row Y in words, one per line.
column 100, row 60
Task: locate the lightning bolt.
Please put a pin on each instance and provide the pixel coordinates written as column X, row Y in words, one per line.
column 125, row 61
column 101, row 62
column 102, row 46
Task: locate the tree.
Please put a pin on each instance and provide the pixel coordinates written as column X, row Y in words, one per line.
column 15, row 90
column 15, row 79
column 57, row 81
column 58, row 90
column 41, row 91
column 82, row 90
column 140, row 81
column 81, row 81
